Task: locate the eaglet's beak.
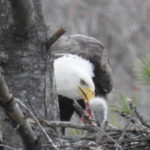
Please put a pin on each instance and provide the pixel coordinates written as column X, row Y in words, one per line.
column 87, row 93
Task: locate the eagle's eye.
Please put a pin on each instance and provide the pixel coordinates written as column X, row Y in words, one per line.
column 82, row 82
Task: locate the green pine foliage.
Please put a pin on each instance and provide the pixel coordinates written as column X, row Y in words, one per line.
column 143, row 70
column 122, row 103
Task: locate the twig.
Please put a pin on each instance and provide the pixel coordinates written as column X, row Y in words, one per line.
column 78, row 145
column 138, row 139
column 134, row 139
column 78, row 126
column 54, row 37
column 118, row 146
column 83, row 114
column 68, row 125
column 127, row 124
column 42, row 129
column 29, row 101
column 128, row 130
column 142, row 119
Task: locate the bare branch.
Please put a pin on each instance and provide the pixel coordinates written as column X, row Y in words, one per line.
column 127, row 125
column 68, row 125
column 82, row 113
column 42, row 129
column 145, row 122
column 55, row 37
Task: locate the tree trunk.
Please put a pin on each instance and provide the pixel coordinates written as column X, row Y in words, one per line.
column 24, row 59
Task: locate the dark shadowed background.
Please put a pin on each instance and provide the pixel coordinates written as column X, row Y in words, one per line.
column 123, row 26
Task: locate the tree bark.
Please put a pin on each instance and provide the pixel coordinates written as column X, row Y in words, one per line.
column 25, row 58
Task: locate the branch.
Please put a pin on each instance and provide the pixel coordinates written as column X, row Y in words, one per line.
column 127, row 124
column 15, row 114
column 91, row 128
column 83, row 114
column 68, row 125
column 145, row 122
column 43, row 130
column 132, row 138
column 54, row 37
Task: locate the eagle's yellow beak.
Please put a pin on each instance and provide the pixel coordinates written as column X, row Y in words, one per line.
column 87, row 93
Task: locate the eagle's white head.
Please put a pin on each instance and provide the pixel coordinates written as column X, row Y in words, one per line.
column 73, row 76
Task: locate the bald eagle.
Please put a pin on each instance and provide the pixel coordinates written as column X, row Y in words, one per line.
column 82, row 72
